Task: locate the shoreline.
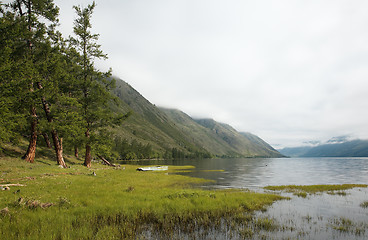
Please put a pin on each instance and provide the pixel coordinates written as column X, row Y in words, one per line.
column 117, row 202
column 108, row 203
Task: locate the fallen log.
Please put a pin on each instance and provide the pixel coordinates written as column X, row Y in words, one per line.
column 12, row 184
column 106, row 162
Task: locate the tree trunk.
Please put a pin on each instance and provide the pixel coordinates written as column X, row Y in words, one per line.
column 47, row 140
column 88, row 157
column 31, row 151
column 57, row 144
column 76, row 152
column 105, row 161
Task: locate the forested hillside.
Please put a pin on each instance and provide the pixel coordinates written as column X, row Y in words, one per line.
column 150, row 128
column 171, row 133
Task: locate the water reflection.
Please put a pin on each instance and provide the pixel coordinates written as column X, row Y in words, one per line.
column 320, row 216
column 259, row 172
column 314, row 217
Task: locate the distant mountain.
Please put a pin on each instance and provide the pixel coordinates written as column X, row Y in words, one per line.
column 295, row 151
column 355, row 148
column 168, row 132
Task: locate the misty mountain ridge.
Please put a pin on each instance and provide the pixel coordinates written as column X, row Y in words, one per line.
column 170, row 130
column 340, row 146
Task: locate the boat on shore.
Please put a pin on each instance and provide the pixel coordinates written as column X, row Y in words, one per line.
column 153, row 168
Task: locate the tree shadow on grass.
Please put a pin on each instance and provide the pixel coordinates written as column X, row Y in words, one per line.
column 44, row 162
column 70, row 162
column 11, row 152
column 45, row 153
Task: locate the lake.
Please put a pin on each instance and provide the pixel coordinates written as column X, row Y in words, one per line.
column 317, row 216
column 254, row 173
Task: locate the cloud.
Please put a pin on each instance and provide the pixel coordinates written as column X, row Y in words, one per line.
column 313, row 143
column 289, row 71
column 339, row 139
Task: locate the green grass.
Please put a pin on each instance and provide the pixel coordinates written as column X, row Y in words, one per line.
column 117, row 203
column 313, row 189
column 300, row 194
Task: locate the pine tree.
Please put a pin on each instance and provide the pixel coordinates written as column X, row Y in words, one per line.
column 51, row 68
column 29, row 13
column 40, row 55
column 12, row 70
column 52, row 85
column 94, row 85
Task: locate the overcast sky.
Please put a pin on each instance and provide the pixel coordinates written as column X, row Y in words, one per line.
column 289, row 71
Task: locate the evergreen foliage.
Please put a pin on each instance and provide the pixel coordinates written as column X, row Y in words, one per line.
column 11, row 115
column 94, row 85
column 52, row 84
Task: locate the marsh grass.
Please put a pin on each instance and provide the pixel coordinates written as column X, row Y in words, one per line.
column 364, row 204
column 340, row 193
column 267, row 224
column 300, row 194
column 117, row 203
column 346, row 225
column 303, row 190
column 213, row 170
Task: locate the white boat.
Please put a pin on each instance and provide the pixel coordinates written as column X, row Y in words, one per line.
column 154, row 168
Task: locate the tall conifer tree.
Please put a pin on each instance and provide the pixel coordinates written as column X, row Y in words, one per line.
column 12, row 70
column 94, row 84
column 37, row 54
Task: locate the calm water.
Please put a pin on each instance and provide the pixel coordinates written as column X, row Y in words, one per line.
column 321, row 216
column 259, row 172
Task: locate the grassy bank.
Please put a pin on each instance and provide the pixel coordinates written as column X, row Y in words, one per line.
column 304, row 190
column 42, row 201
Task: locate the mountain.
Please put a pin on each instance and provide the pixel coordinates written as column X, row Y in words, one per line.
column 172, row 133
column 148, row 125
column 219, row 138
column 295, row 151
column 354, row 148
column 261, row 142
